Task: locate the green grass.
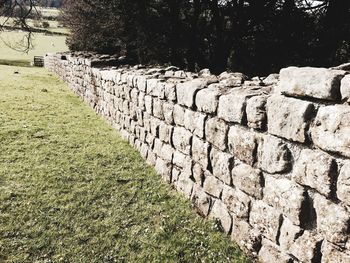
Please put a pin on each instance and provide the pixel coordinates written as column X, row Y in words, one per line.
column 42, row 44
column 71, row 190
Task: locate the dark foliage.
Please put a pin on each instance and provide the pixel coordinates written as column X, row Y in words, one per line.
column 256, row 37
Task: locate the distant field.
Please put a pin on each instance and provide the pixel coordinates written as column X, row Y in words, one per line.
column 42, row 44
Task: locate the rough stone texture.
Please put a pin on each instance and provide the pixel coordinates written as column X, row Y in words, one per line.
column 315, row 169
column 194, row 122
column 201, row 200
column 186, row 91
column 265, row 218
column 183, row 125
column 179, row 115
column 288, row 234
column 306, row 247
column 248, row 179
column 242, row 144
column 182, row 140
column 200, row 151
column 232, row 105
column 332, row 220
column 285, row 196
column 207, row 100
column 313, row 82
column 343, row 184
column 222, row 164
column 219, row 211
column 216, row 133
column 213, row 186
column 236, row 201
column 345, row 88
column 246, row 236
column 273, row 155
column 331, row 131
column 164, row 169
column 269, row 252
column 256, row 112
column 333, row 254
column 288, row 117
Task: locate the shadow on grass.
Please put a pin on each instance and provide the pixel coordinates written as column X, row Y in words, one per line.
column 17, row 63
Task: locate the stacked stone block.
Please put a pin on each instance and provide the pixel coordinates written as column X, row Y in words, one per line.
column 267, row 158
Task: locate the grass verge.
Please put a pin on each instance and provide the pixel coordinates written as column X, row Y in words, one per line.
column 71, row 190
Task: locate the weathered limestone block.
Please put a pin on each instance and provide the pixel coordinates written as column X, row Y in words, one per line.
column 234, row 79
column 151, row 85
column 159, row 90
column 315, row 169
column 168, row 110
column 198, row 173
column 333, row 254
column 151, row 158
column 271, row 79
column 216, row 132
column 288, row 234
column 149, row 104
column 179, row 114
column 194, row 121
column 245, row 235
column 332, row 219
column 184, row 184
column 207, row 100
column 182, row 140
column 273, row 155
column 200, row 151
column 144, row 150
column 343, row 185
column 141, row 101
column 256, row 112
column 181, row 160
column 265, row 218
column 318, row 83
column 155, row 126
column 288, row 117
column 345, row 88
column 242, row 144
column 165, row 132
column 167, row 153
column 170, row 92
column 236, row 201
column 331, row 131
column 141, row 83
column 157, row 147
column 232, row 104
column 219, row 211
column 222, row 164
column 134, row 94
column 186, row 91
column 175, row 175
column 213, row 186
column 201, row 200
column 158, row 108
column 286, row 196
column 270, row 252
column 248, row 179
column 306, row 247
column 164, row 169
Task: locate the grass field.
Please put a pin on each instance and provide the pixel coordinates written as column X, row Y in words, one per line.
column 71, row 190
column 42, row 44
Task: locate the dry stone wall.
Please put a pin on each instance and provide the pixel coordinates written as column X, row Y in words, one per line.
column 268, row 158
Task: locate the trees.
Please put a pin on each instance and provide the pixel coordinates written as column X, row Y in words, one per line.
column 256, row 37
column 19, row 12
